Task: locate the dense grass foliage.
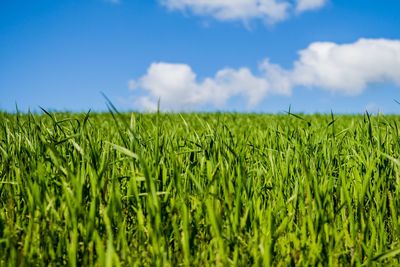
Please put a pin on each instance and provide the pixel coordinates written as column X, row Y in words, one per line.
column 199, row 190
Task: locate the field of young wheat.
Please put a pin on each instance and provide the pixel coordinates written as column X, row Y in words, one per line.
column 199, row 190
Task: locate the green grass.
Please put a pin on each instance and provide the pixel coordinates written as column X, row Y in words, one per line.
column 199, row 190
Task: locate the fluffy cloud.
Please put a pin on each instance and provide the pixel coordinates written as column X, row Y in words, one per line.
column 343, row 68
column 348, row 68
column 178, row 89
column 270, row 11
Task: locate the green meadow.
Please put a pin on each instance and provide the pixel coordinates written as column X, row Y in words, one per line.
column 215, row 189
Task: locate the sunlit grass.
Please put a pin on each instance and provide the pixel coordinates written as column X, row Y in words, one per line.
column 199, row 189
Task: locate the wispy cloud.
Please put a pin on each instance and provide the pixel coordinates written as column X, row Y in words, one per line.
column 115, row 2
column 305, row 5
column 270, row 11
column 373, row 108
column 344, row 68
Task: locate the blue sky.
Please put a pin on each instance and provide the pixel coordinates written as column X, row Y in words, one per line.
column 201, row 55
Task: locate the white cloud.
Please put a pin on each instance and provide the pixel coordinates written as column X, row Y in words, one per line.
column 178, row 89
column 348, row 68
column 343, row 68
column 271, row 11
column 304, row 5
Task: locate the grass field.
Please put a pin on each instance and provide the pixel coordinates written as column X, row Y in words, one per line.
column 199, row 190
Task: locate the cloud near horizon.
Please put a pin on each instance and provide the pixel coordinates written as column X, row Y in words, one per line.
column 344, row 68
column 270, row 11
